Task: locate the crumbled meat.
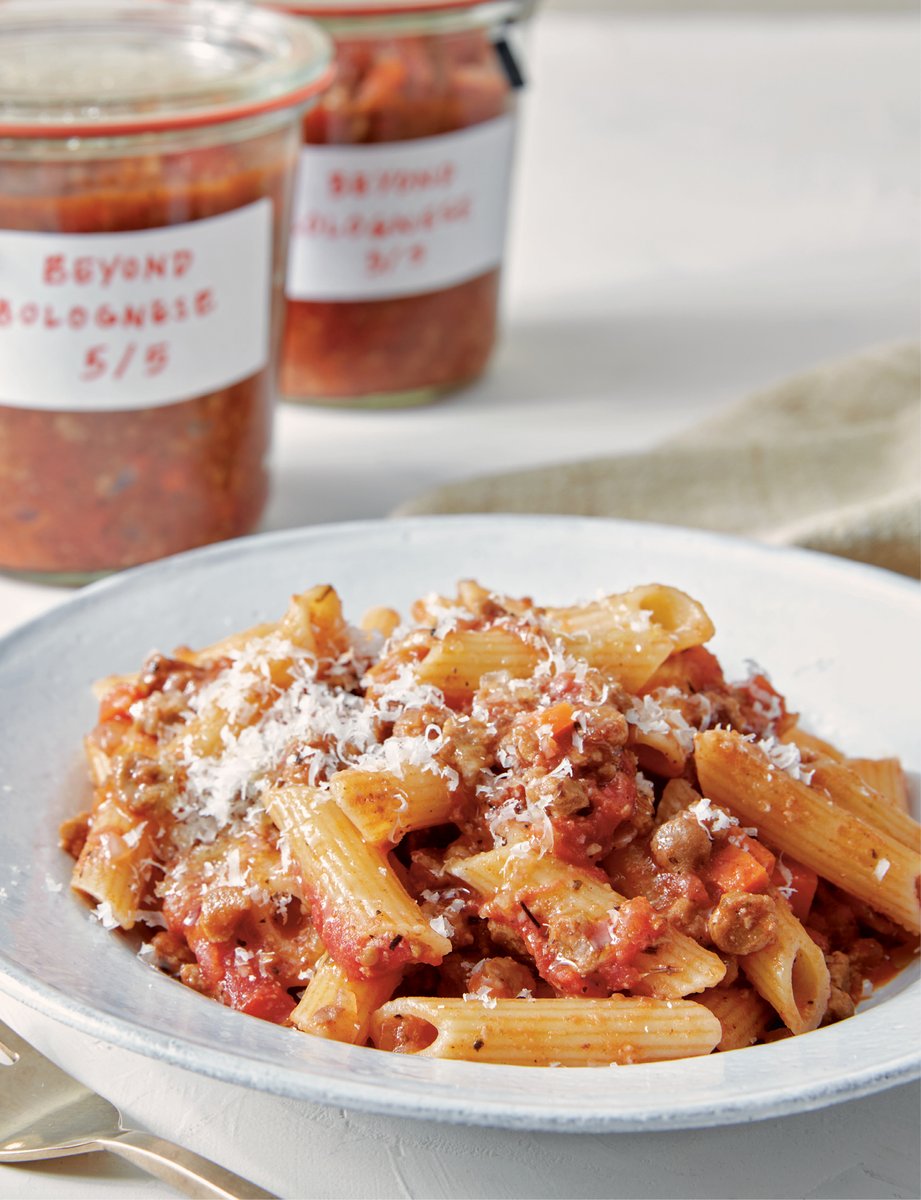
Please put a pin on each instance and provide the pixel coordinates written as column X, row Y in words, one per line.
column 501, row 978
column 681, row 844
column 222, row 910
column 742, row 923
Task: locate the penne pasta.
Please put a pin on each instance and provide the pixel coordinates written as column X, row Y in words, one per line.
column 790, row 973
column 885, row 777
column 369, row 923
column 629, row 636
column 806, row 823
column 849, row 790
column 384, row 807
column 114, row 864
column 457, row 663
column 336, row 1007
column 745, row 1018
column 542, row 1033
column 816, row 747
column 659, row 752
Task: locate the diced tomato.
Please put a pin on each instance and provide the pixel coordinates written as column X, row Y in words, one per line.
column 241, row 985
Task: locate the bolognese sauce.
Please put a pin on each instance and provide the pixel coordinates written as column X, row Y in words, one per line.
column 398, row 221
column 142, row 241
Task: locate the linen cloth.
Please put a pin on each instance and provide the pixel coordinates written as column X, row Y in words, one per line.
column 829, row 460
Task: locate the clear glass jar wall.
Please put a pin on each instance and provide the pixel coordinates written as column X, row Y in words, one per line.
column 141, row 280
column 400, row 206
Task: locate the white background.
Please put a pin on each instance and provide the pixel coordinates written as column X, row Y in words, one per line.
column 704, row 204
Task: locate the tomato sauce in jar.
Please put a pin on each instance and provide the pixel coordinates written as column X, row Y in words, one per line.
column 146, row 158
column 398, row 223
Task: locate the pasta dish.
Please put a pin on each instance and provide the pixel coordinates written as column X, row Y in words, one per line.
column 499, row 832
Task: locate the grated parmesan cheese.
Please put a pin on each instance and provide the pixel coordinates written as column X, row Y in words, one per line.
column 786, row 889
column 104, row 915
column 711, row 818
column 650, row 716
column 482, row 995
column 133, row 835
column 442, row 926
column 786, row 757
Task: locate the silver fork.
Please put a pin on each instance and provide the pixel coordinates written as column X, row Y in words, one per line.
column 45, row 1113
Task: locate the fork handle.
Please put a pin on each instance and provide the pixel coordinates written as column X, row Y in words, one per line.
column 188, row 1173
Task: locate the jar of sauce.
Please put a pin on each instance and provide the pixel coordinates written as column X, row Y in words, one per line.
column 146, row 155
column 399, row 211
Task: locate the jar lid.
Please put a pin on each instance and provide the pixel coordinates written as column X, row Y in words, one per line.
column 339, row 9
column 104, row 68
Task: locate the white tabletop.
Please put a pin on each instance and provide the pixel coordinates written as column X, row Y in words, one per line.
column 703, row 206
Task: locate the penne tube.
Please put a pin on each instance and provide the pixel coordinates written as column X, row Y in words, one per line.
column 312, row 625
column 384, row 806
column 629, row 636
column 380, row 620
column 677, row 967
column 683, row 618
column 845, row 787
column 456, row 664
column 886, row 777
column 805, row 823
column 306, row 611
column 614, row 639
column 790, row 973
column 659, row 753
column 743, row 1015
column 314, row 622
column 368, row 921
column 114, row 864
column 98, row 762
column 541, row 1033
column 814, row 746
column 338, row 1008
column 295, row 626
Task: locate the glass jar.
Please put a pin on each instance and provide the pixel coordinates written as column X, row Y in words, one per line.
column 399, row 211
column 147, row 149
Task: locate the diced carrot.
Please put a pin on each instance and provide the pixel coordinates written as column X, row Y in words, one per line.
column 756, row 850
column 558, row 716
column 732, row 869
column 801, row 882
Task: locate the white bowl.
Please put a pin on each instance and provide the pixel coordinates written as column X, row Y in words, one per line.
column 839, row 640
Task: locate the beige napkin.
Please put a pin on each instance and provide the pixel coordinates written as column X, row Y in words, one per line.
column 830, row 460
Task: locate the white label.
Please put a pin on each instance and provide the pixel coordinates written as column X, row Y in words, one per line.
column 106, row 321
column 376, row 221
